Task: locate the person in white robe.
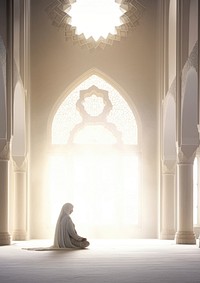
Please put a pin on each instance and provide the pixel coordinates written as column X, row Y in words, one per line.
column 65, row 232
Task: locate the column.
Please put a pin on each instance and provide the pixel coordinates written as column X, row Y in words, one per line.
column 168, row 198
column 5, row 238
column 185, row 233
column 20, row 197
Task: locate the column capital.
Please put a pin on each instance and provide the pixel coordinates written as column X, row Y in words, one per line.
column 186, row 154
column 4, row 150
column 168, row 166
column 19, row 163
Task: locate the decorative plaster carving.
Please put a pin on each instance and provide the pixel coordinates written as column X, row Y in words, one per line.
column 100, row 118
column 19, row 163
column 168, row 166
column 99, row 93
column 4, row 150
column 186, row 154
column 60, row 19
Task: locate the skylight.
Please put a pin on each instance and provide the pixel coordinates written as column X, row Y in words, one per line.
column 95, row 23
column 95, row 18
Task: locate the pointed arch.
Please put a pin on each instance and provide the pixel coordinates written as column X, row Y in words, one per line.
column 105, row 174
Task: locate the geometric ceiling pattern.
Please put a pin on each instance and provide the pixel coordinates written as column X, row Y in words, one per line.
column 133, row 11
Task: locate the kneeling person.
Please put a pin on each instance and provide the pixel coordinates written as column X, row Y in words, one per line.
column 65, row 233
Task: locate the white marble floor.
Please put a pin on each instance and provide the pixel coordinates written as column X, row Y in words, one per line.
column 111, row 261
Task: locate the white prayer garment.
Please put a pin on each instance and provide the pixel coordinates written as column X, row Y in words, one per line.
column 65, row 233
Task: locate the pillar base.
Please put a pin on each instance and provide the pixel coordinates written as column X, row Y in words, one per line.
column 167, row 235
column 5, row 239
column 19, row 235
column 185, row 237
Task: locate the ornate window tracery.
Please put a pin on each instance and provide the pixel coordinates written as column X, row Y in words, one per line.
column 98, row 105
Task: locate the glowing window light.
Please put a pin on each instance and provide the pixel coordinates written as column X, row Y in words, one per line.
column 93, row 105
column 95, row 18
column 67, row 116
column 104, row 187
column 94, row 135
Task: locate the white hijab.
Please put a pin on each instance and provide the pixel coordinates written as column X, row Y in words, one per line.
column 61, row 237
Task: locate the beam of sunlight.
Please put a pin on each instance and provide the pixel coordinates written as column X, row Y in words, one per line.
column 94, row 134
column 95, row 18
column 104, row 189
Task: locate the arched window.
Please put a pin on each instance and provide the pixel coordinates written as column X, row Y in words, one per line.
column 97, row 108
column 95, row 159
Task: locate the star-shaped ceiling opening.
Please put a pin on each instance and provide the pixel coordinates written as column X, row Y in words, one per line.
column 95, row 18
column 95, row 23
